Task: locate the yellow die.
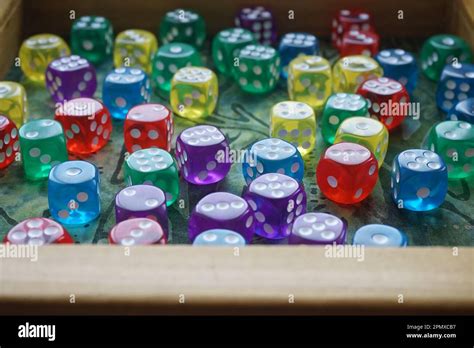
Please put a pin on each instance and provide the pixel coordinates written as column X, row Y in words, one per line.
column 310, row 80
column 294, row 122
column 367, row 132
column 349, row 72
column 13, row 102
column 135, row 48
column 194, row 92
column 38, row 51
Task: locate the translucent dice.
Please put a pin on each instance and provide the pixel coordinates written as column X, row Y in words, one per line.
column 260, row 21
column 38, row 231
column 194, row 92
column 293, row 45
column 456, row 84
column 202, row 155
column 183, row 26
column 9, row 144
column 226, row 47
column 219, row 237
column 318, row 229
column 135, row 48
column 294, row 122
column 349, row 72
column 74, row 192
column 13, row 102
column 139, row 231
column 462, row 111
column 376, row 235
column 399, row 65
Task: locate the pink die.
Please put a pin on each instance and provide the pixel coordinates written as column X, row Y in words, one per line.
column 139, row 231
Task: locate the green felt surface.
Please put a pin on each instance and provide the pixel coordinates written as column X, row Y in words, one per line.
column 245, row 118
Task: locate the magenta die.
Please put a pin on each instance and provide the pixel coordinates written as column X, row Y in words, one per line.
column 260, row 22
column 142, row 201
column 70, row 77
column 276, row 200
column 201, row 153
column 319, row 229
column 224, row 211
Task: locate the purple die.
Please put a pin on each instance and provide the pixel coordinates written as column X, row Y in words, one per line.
column 70, row 77
column 142, row 201
column 318, row 228
column 277, row 200
column 260, row 22
column 201, row 153
column 222, row 210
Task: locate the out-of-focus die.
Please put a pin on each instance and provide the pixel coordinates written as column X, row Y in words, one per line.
column 222, row 210
column 42, row 146
column 92, row 37
column 318, row 229
column 9, row 143
column 142, row 201
column 376, row 235
column 123, row 89
column 310, row 80
column 294, row 122
column 276, row 200
column 346, row 20
column 462, row 111
column 347, row 173
column 260, row 22
column 419, row 180
column 388, row 100
column 183, row 26
column 13, row 102
column 70, row 77
column 148, row 125
column 194, row 92
column 356, row 42
column 202, row 155
column 367, row 132
column 139, row 231
column 454, row 142
column 168, row 60
column 258, row 69
column 456, row 84
column 349, row 72
column 86, row 123
column 219, row 237
column 135, row 48
column 226, row 46
column 339, row 107
column 38, row 231
column 443, row 49
column 153, row 167
column 74, row 192
column 293, row 45
column 272, row 155
column 399, row 65
column 38, row 51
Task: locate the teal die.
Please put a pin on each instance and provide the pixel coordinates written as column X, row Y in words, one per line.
column 226, row 47
column 183, row 26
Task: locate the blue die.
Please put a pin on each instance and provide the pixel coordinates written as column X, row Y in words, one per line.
column 399, row 65
column 123, row 89
column 419, row 180
column 376, row 235
column 463, row 111
column 456, row 84
column 73, row 192
column 219, row 237
column 272, row 155
column 294, row 44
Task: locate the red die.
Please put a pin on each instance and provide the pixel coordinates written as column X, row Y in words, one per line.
column 9, row 144
column 346, row 20
column 347, row 173
column 138, row 231
column 388, row 100
column 356, row 42
column 148, row 125
column 38, row 231
column 86, row 123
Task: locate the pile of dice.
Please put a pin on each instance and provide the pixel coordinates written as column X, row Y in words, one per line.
column 360, row 99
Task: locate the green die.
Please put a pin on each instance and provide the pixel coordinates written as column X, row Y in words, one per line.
column 440, row 50
column 92, row 37
column 226, row 46
column 258, row 69
column 339, row 107
column 156, row 167
column 183, row 26
column 169, row 59
column 43, row 146
column 454, row 142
